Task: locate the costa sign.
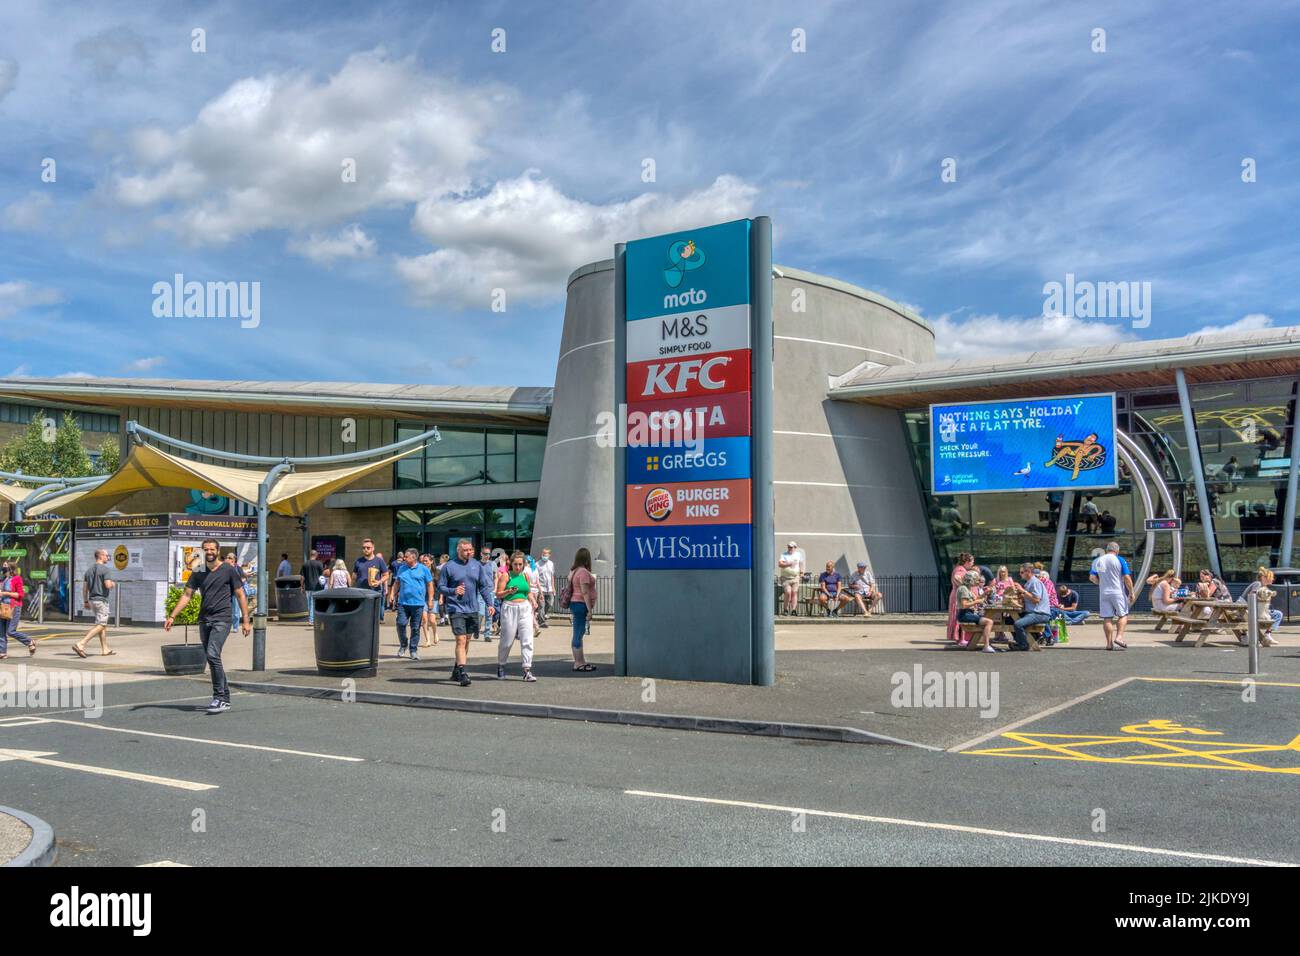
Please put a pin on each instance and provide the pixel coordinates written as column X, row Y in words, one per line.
column 683, row 378
column 680, row 420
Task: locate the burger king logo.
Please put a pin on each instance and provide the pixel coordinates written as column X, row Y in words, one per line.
column 658, row 504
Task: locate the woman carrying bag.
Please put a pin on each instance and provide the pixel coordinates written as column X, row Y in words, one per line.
column 11, row 611
column 579, row 596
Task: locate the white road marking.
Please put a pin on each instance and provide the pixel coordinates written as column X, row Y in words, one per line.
column 163, row 863
column 42, row 757
column 27, row 721
column 1041, row 714
column 958, row 828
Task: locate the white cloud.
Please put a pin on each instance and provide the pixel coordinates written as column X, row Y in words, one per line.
column 525, row 236
column 992, row 336
column 18, row 371
column 74, row 375
column 16, row 296
column 106, row 51
column 351, row 242
column 28, row 214
column 1247, row 323
column 8, row 76
column 269, row 152
column 145, row 364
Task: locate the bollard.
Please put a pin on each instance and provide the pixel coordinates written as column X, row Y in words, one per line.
column 1252, row 632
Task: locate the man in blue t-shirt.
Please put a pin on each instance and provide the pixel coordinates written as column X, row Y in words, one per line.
column 465, row 587
column 412, row 593
column 371, row 571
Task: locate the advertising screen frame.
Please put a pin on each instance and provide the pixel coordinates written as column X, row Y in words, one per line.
column 1114, row 430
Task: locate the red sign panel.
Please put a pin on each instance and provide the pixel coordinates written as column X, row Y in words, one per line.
column 675, row 421
column 702, row 375
column 679, row 503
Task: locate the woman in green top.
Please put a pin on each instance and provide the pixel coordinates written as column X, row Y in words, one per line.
column 518, row 602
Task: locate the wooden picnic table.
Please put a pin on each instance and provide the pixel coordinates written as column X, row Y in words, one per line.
column 1003, row 616
column 1224, row 615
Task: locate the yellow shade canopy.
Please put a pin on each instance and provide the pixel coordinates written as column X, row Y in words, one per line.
column 147, row 467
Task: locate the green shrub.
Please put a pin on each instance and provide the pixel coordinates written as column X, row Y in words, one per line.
column 190, row 614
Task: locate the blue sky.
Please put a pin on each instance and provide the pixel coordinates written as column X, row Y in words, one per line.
column 479, row 170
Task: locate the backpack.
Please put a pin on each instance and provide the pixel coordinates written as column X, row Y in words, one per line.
column 566, row 593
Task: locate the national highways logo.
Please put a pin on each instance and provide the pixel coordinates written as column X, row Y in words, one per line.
column 658, row 504
column 683, row 256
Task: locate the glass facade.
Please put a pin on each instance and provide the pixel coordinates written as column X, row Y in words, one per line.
column 1245, row 431
column 437, row 530
column 468, row 456
column 471, row 456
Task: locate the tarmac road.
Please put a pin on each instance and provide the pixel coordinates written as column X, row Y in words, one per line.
column 369, row 784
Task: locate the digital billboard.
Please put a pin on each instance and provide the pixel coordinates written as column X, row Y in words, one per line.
column 1063, row 443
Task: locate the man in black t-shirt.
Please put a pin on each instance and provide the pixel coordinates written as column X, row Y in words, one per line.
column 312, row 569
column 219, row 586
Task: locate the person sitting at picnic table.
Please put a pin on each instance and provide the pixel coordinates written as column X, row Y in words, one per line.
column 1164, row 592
column 1210, row 588
column 969, row 606
column 1263, row 578
column 1067, row 605
column 1002, row 581
column 862, row 589
column 828, row 595
column 965, row 562
column 1038, row 605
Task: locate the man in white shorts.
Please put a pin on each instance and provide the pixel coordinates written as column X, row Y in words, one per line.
column 1114, row 582
column 94, row 594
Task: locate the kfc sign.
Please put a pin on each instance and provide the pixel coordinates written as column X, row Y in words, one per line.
column 689, row 377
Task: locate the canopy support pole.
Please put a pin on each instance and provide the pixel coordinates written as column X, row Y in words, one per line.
column 263, row 595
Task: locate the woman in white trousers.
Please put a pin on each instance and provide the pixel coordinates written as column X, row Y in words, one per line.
column 518, row 597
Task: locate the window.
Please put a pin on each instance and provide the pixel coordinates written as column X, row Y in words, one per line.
column 471, row 456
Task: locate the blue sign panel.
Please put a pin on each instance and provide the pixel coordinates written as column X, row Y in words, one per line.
column 1064, row 443
column 695, row 269
column 714, row 460
column 700, row 547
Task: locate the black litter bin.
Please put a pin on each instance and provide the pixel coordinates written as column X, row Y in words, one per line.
column 347, row 631
column 290, row 598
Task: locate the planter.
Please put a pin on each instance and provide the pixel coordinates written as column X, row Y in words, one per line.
column 183, row 658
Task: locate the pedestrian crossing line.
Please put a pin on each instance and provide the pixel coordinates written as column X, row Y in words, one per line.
column 960, row 828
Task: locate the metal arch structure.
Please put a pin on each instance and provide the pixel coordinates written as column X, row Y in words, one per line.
column 280, row 466
column 46, row 487
column 1141, row 471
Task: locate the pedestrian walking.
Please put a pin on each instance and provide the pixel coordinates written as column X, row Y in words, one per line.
column 411, row 593
column 220, row 587
column 579, row 596
column 431, row 614
column 95, row 585
column 313, row 580
column 284, row 569
column 1114, row 581
column 338, row 575
column 486, row 620
column 518, row 594
column 371, row 571
column 235, row 616
column 442, row 601
column 546, row 583
column 12, row 592
column 464, row 585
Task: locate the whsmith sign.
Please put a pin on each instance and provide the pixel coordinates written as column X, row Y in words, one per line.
column 693, row 345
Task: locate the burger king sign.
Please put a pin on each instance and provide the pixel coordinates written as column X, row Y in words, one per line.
column 658, row 504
